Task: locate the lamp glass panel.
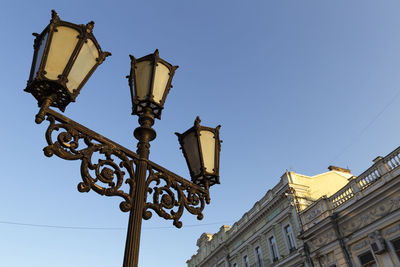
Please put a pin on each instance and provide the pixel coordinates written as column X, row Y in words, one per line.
column 191, row 148
column 207, row 142
column 143, row 75
column 40, row 54
column 62, row 45
column 160, row 82
column 83, row 64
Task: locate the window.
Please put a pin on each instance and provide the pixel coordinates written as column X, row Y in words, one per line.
column 259, row 261
column 245, row 261
column 396, row 246
column 273, row 248
column 289, row 237
column 367, row 260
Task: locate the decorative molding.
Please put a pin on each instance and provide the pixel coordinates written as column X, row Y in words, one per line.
column 389, row 232
column 320, row 207
column 327, row 259
column 322, row 240
column 313, row 213
column 360, row 245
column 380, row 210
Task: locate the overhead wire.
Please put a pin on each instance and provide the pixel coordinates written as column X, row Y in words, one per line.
column 357, row 137
column 102, row 228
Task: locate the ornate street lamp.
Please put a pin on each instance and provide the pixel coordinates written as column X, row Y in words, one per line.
column 65, row 56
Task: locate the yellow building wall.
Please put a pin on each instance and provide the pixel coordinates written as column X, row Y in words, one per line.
column 327, row 183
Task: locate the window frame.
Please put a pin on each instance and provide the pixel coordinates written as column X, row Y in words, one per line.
column 364, row 253
column 397, row 254
column 245, row 260
column 259, row 261
column 271, row 251
column 289, row 248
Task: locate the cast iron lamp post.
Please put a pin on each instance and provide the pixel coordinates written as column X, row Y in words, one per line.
column 65, row 56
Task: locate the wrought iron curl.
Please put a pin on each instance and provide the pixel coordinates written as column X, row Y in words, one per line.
column 106, row 166
column 175, row 192
column 108, row 174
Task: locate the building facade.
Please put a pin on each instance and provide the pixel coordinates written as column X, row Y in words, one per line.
column 267, row 235
column 360, row 224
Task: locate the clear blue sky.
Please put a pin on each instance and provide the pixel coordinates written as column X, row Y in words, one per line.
column 296, row 85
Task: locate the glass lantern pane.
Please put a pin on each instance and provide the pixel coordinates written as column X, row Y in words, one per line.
column 191, row 148
column 40, row 54
column 83, row 64
column 144, row 71
column 62, row 45
column 207, row 142
column 160, row 82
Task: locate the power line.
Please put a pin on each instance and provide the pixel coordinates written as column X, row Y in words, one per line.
column 61, row 226
column 103, row 228
column 355, row 139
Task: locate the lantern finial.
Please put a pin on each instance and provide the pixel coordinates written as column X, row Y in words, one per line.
column 90, row 26
column 54, row 16
column 197, row 121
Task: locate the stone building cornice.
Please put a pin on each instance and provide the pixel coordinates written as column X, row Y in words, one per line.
column 261, row 214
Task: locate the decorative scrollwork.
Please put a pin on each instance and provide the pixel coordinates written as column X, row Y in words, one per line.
column 103, row 174
column 104, row 165
column 170, row 191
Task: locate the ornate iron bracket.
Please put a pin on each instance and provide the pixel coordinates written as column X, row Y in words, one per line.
column 106, row 166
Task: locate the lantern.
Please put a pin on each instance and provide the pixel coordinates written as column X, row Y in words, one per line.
column 65, row 56
column 201, row 148
column 150, row 81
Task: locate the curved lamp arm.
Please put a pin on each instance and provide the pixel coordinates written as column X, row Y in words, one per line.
column 106, row 166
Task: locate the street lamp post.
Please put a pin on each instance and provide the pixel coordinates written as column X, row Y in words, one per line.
column 65, row 56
